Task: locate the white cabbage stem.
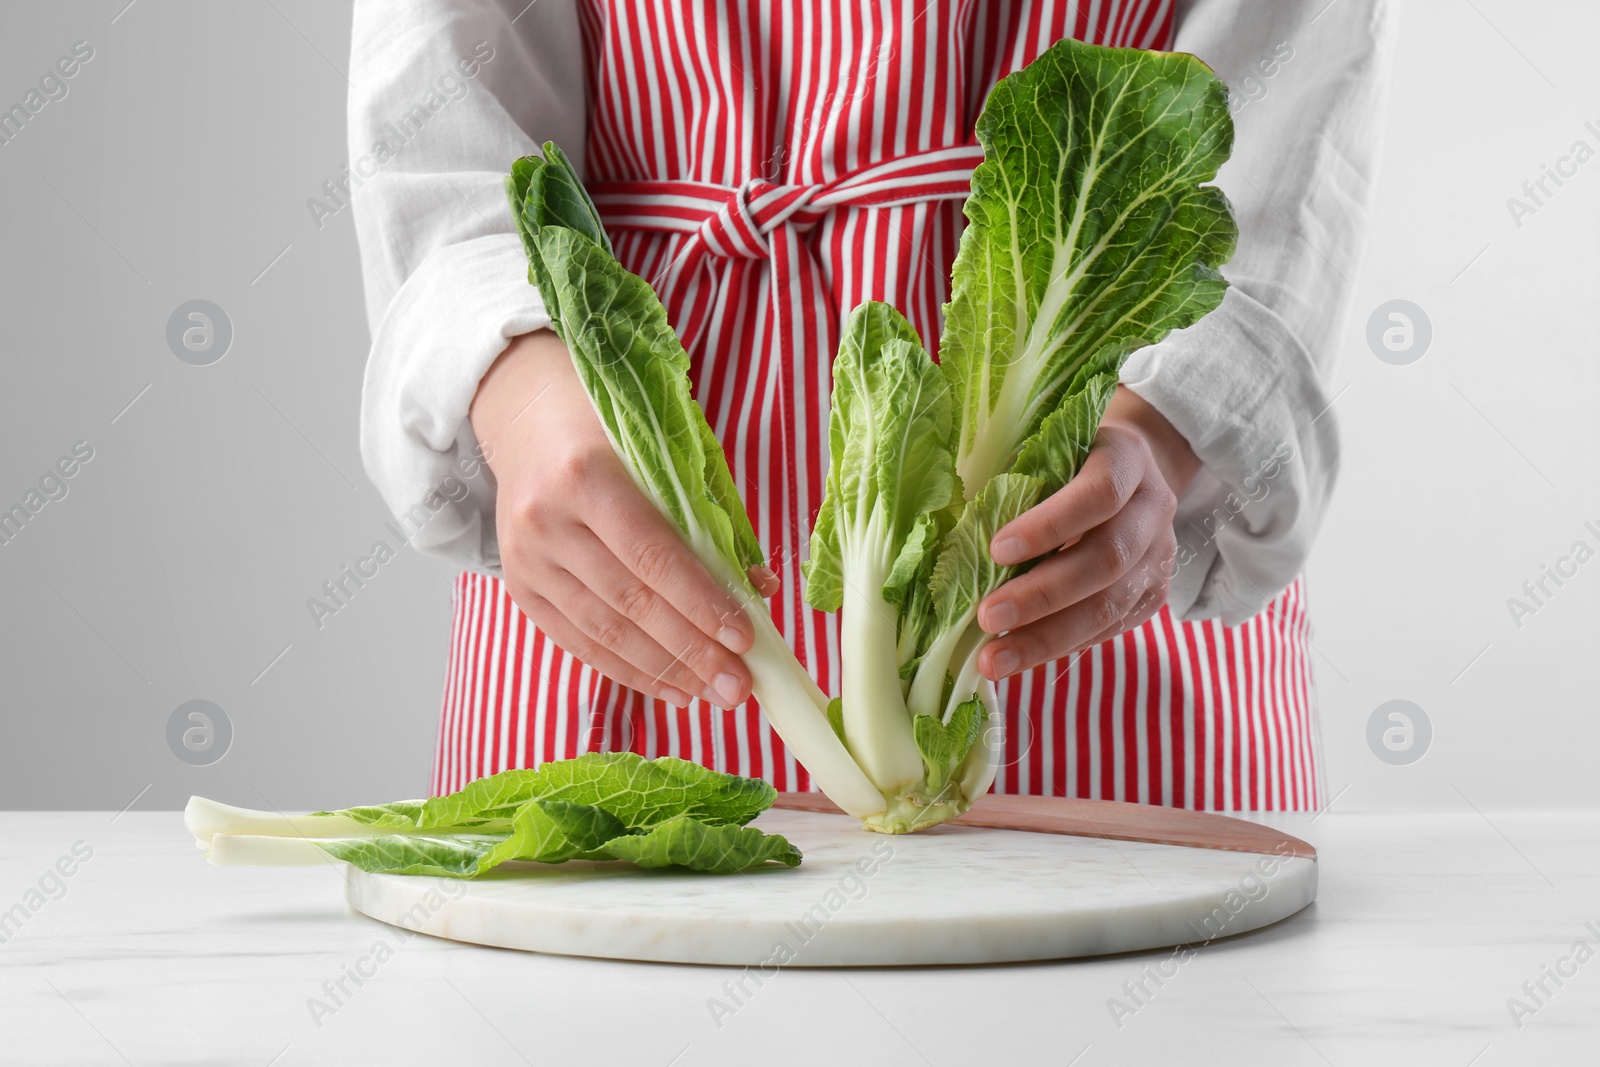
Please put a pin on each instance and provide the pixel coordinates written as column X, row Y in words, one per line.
column 876, row 722
column 206, row 818
column 246, row 850
column 967, row 679
column 798, row 713
column 927, row 686
column 977, row 774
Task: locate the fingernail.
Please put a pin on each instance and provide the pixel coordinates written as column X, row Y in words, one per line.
column 766, row 574
column 1011, row 550
column 1001, row 617
column 728, row 687
column 1006, row 663
column 733, row 640
column 675, row 697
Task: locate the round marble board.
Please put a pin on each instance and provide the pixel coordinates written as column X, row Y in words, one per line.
column 953, row 894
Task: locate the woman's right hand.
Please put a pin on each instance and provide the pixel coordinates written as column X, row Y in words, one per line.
column 585, row 555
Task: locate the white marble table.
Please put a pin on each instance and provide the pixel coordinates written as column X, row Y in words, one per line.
column 1424, row 926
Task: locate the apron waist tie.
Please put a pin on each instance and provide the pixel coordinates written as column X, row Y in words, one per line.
column 739, row 221
column 764, row 221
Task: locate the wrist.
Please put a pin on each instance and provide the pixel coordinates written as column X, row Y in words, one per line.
column 1174, row 458
column 502, row 406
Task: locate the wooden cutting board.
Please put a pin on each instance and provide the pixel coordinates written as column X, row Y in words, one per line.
column 1065, row 878
column 1109, row 819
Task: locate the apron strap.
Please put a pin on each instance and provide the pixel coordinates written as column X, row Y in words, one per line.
column 761, row 220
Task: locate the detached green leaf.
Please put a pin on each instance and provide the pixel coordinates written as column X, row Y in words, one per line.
column 494, row 799
column 402, row 814
column 699, row 846
column 639, row 792
column 446, row 855
column 601, row 805
column 545, row 831
column 583, row 828
column 644, row 793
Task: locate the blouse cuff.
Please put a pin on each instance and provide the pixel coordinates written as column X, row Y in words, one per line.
column 441, row 333
column 1241, row 388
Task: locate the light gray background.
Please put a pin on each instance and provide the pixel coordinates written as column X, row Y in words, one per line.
column 179, row 565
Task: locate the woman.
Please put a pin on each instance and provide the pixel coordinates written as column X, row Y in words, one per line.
column 768, row 167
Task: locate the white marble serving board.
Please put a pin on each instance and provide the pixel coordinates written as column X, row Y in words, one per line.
column 949, row 895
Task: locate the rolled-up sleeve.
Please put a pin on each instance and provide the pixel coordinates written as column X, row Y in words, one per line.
column 1249, row 386
column 444, row 95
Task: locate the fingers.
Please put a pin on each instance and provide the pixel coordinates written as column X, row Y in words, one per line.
column 1125, row 603
column 572, row 639
column 1114, row 520
column 1144, row 609
column 721, row 676
column 1114, row 471
column 603, row 626
column 1092, row 564
column 766, row 581
column 651, row 548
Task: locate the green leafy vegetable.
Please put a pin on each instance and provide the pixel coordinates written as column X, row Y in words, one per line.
column 1091, row 232
column 653, row 813
column 641, row 792
column 685, row 842
column 891, row 469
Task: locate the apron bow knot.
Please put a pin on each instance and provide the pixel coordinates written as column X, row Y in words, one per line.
column 742, row 225
column 760, row 223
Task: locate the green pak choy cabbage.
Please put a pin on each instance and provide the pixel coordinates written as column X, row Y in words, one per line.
column 1091, row 233
column 599, row 806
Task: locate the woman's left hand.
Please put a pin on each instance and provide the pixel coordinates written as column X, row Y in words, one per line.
column 1110, row 530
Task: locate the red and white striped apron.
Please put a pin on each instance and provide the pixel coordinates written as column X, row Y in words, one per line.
column 768, row 167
